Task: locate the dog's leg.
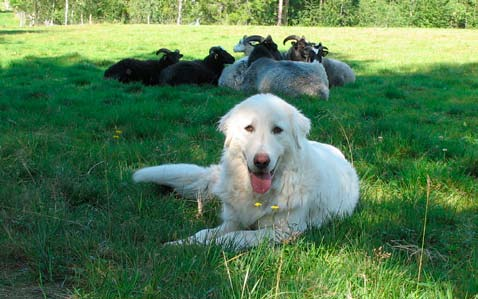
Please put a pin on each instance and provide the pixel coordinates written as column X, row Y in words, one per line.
column 206, row 235
column 250, row 238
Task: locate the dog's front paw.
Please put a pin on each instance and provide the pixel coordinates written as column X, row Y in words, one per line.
column 174, row 243
column 187, row 241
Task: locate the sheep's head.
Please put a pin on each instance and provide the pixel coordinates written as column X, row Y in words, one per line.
column 241, row 45
column 299, row 50
column 169, row 56
column 319, row 51
column 269, row 43
column 266, row 48
column 220, row 55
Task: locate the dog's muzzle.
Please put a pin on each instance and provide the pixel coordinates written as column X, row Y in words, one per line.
column 261, row 178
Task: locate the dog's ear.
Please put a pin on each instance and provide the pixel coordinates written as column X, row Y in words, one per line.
column 300, row 126
column 223, row 127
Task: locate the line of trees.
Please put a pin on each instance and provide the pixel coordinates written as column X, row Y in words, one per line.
column 383, row 13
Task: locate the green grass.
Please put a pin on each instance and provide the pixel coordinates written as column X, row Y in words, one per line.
column 73, row 224
column 7, row 19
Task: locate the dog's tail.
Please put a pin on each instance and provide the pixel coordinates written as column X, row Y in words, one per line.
column 189, row 180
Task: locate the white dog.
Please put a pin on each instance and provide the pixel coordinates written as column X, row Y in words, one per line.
column 272, row 181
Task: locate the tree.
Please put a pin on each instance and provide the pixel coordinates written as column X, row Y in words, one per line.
column 180, row 8
column 282, row 11
column 279, row 13
column 66, row 12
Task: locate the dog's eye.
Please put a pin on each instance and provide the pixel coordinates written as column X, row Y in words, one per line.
column 277, row 130
column 249, row 128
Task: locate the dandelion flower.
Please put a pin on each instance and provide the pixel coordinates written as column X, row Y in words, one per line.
column 258, row 204
column 275, row 207
column 116, row 136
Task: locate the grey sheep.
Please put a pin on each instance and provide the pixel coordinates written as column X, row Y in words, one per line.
column 338, row 72
column 287, row 77
column 267, row 74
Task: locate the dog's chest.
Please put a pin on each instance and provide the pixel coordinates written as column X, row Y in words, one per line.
column 254, row 211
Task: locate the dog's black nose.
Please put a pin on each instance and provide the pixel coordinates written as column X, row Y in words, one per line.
column 261, row 160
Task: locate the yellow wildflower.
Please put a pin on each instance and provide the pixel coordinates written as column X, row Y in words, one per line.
column 118, row 132
column 258, row 204
column 116, row 136
column 274, row 207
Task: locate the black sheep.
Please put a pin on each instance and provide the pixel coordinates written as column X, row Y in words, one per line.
column 146, row 71
column 206, row 71
column 266, row 48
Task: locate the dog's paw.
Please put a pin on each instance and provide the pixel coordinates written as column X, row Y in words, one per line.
column 175, row 243
column 188, row 241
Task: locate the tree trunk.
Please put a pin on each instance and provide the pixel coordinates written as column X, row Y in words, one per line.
column 21, row 16
column 279, row 13
column 66, row 12
column 180, row 9
column 35, row 13
column 285, row 13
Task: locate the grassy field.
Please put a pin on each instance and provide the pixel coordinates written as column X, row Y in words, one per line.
column 72, row 223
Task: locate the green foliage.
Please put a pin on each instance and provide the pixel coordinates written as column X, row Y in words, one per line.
column 72, row 223
column 370, row 13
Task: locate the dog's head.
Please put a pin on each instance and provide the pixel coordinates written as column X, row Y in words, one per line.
column 265, row 130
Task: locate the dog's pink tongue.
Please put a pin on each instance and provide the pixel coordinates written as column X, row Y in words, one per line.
column 261, row 183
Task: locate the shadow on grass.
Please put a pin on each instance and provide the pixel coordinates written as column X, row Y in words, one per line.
column 71, row 174
column 16, row 31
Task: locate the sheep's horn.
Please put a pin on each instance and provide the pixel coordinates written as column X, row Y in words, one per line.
column 254, row 38
column 163, row 50
column 292, row 37
column 322, row 49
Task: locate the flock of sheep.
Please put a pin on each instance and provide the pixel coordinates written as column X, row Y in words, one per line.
column 303, row 69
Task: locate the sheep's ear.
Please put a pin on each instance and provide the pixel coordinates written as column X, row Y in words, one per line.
column 300, row 126
column 223, row 127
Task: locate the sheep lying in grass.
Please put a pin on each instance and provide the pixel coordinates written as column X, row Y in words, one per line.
column 145, row 71
column 300, row 49
column 206, row 71
column 287, row 77
column 267, row 74
column 338, row 72
column 233, row 75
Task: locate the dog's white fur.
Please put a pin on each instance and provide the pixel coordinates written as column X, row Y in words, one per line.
column 312, row 182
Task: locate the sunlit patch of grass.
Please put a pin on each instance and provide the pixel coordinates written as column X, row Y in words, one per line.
column 70, row 216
